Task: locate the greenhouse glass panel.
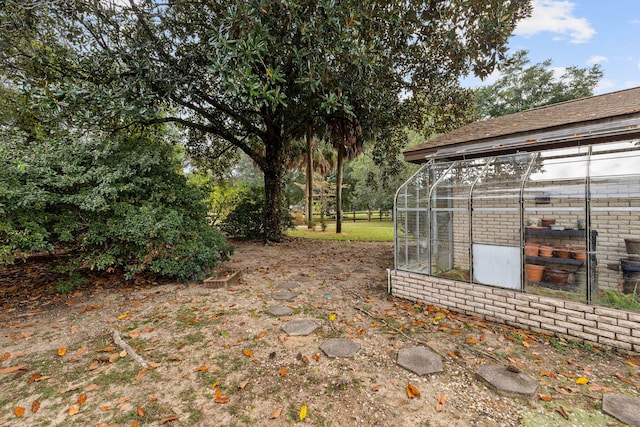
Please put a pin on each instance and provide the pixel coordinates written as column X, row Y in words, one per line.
column 555, row 213
column 615, row 217
column 412, row 218
column 450, row 241
column 496, row 221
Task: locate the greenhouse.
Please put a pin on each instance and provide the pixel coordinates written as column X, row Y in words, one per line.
column 542, row 209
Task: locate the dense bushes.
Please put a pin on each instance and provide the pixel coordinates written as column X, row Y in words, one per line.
column 117, row 201
column 245, row 220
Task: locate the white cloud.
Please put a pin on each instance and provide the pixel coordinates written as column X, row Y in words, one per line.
column 555, row 16
column 604, row 86
column 597, row 59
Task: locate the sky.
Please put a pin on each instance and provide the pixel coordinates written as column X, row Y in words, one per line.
column 582, row 33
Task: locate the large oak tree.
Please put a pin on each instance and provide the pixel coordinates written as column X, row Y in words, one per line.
column 251, row 74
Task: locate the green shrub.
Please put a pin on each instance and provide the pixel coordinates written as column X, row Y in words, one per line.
column 246, row 219
column 116, row 202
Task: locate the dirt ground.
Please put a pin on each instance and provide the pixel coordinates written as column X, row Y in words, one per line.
column 217, row 358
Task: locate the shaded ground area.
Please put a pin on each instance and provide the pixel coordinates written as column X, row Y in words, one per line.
column 217, row 357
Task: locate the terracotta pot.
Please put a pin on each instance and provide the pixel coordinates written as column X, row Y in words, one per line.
column 531, row 249
column 546, row 251
column 578, row 252
column 556, row 276
column 548, row 222
column 561, row 251
column 533, row 272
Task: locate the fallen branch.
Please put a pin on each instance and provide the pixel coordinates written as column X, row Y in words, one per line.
column 130, row 351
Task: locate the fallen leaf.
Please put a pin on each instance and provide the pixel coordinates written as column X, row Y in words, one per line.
column 122, row 400
column 34, row 377
column 305, row 359
column 442, row 399
column 80, row 351
column 303, row 412
column 82, row 398
column 140, row 411
column 91, row 387
column 470, row 340
column 247, row 352
column 438, row 407
column 261, row 335
column 243, row 384
column 215, row 385
column 283, row 372
column 202, row 368
column 106, row 349
column 123, row 353
column 168, row 419
column 582, row 380
column 74, row 330
column 453, row 355
column 412, row 391
column 594, row 387
column 113, row 357
column 18, row 411
column 545, row 398
column 275, row 414
column 6, row 355
column 141, row 374
column 219, row 398
column 376, row 387
column 94, row 365
column 547, row 374
column 105, row 408
column 74, row 409
column 62, row 351
column 11, row 369
column 134, row 424
column 624, row 379
column 35, row 406
column 333, row 317
column 316, row 357
column 562, row 412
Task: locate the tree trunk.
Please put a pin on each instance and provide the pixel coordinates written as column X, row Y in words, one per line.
column 309, row 176
column 339, row 189
column 273, row 169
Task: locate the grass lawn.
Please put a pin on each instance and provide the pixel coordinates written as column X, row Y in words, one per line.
column 364, row 231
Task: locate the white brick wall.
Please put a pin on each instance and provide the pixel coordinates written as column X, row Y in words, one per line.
column 600, row 326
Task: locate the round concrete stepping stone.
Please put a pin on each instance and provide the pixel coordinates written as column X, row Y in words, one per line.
column 280, row 310
column 288, row 285
column 505, row 380
column 420, row 360
column 622, row 408
column 284, row 296
column 340, row 347
column 300, row 327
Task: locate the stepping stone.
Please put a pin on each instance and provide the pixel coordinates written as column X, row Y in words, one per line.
column 340, row 347
column 299, row 327
column 288, row 285
column 285, row 296
column 622, row 408
column 502, row 379
column 419, row 360
column 279, row 310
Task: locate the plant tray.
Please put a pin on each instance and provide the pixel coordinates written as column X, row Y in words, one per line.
column 222, row 279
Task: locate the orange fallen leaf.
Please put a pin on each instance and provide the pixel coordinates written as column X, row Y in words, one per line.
column 82, row 398
column 168, row 419
column 215, row 385
column 376, row 387
column 442, row 399
column 6, row 355
column 35, row 406
column 562, row 412
column 141, row 374
column 275, row 414
column 113, row 357
column 219, row 398
column 134, row 424
column 316, row 357
column 18, row 411
column 305, row 359
column 106, row 349
column 140, row 411
column 74, row 330
column 283, row 372
column 470, row 340
column 74, row 409
column 201, row 368
column 547, row 374
column 80, row 351
column 624, row 379
column 261, row 335
column 33, row 378
column 453, row 354
column 438, row 407
column 62, row 351
column 412, row 391
column 545, row 397
column 105, row 408
column 94, row 365
column 247, row 352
